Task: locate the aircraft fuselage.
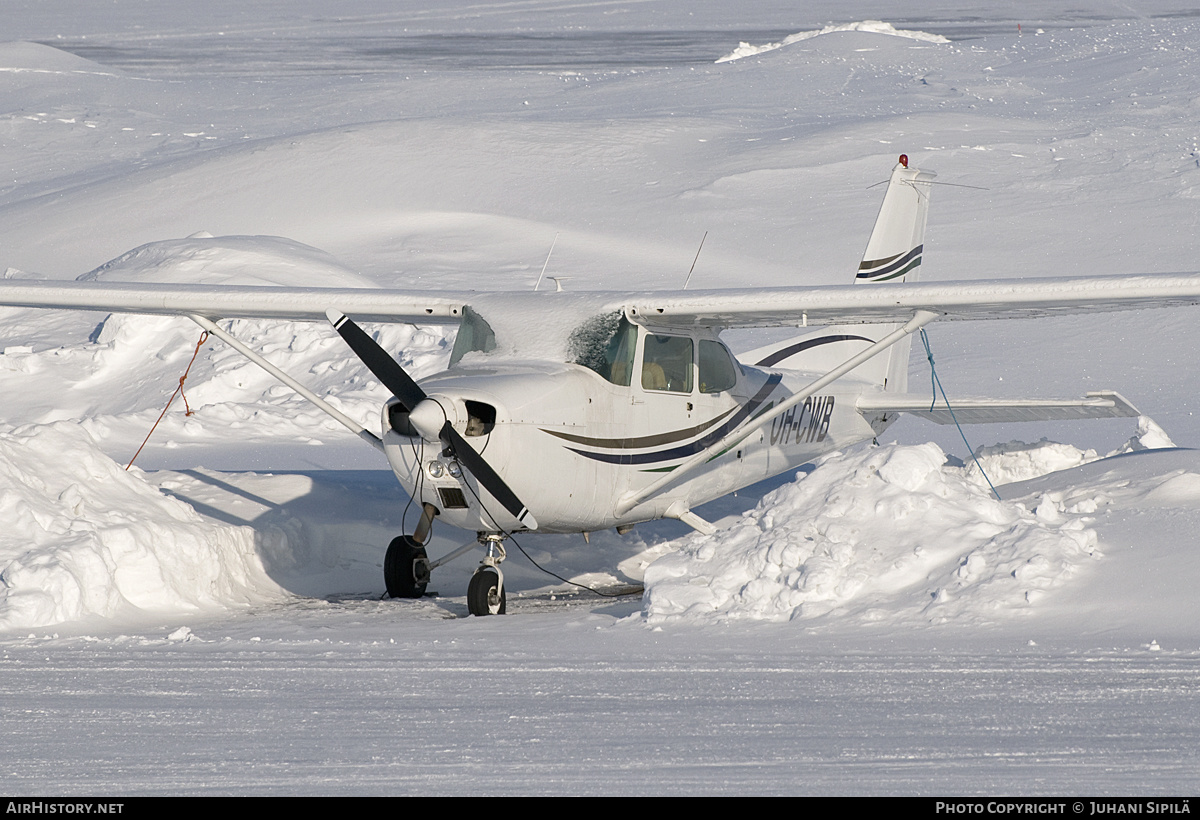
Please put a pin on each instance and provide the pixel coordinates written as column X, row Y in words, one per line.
column 571, row 444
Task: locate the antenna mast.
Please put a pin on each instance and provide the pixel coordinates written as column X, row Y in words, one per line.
column 693, row 267
column 547, row 262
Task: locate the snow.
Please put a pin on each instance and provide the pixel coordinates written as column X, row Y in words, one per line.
column 210, row 621
column 1018, row 461
column 93, row 541
column 872, row 26
column 203, row 259
column 886, row 535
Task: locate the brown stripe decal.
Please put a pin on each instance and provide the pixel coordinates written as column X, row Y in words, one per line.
column 641, row 441
column 696, row 446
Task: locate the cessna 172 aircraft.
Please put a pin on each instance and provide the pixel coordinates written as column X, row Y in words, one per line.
column 573, row 412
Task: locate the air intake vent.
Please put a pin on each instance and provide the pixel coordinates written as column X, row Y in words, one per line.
column 452, row 498
column 398, row 419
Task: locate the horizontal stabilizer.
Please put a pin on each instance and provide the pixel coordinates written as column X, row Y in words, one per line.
column 1099, row 405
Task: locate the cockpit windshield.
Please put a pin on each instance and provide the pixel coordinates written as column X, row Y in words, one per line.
column 474, row 335
column 605, row 344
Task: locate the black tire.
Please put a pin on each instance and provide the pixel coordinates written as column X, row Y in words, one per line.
column 485, row 593
column 400, row 571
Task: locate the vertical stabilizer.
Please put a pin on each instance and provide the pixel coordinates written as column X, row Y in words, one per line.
column 893, row 255
column 894, row 250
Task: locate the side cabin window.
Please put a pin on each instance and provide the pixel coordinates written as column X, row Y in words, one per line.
column 667, row 363
column 718, row 372
column 606, row 344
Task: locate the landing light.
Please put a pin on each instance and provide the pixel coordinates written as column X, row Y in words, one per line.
column 435, row 469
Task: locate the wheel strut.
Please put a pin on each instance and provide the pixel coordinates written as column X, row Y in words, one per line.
column 425, row 524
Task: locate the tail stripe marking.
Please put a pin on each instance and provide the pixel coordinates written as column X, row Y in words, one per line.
column 866, row 265
column 898, row 273
column 892, row 266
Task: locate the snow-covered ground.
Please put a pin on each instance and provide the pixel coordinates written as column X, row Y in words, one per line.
column 211, row 620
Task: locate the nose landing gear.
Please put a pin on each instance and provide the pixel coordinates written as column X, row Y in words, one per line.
column 406, row 567
column 485, row 593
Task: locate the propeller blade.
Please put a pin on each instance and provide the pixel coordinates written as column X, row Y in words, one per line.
column 377, row 360
column 488, row 478
column 393, row 377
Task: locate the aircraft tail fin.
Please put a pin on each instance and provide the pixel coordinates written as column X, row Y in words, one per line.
column 893, row 255
column 898, row 241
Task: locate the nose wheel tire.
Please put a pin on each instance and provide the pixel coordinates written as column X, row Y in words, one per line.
column 485, row 593
column 405, row 568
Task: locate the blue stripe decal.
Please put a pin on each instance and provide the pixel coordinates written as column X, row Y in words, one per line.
column 696, row 446
column 900, row 273
column 791, row 350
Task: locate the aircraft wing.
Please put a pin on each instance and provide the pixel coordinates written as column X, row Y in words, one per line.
column 726, row 308
column 235, row 301
column 886, row 303
column 1098, row 405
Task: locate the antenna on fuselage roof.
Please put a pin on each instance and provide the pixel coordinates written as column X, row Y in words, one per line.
column 693, row 267
column 547, row 262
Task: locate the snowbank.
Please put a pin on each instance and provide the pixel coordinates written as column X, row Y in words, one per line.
column 891, row 533
column 83, row 537
column 871, row 26
column 203, row 259
column 896, row 533
column 1018, row 461
column 23, row 57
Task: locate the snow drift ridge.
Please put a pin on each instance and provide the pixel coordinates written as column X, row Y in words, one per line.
column 871, row 26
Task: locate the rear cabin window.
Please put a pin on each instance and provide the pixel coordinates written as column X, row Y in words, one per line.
column 667, row 363
column 718, row 372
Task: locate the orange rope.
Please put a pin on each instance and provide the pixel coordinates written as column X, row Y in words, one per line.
column 178, row 392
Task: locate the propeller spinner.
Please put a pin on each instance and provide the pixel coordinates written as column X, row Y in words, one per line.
column 425, row 414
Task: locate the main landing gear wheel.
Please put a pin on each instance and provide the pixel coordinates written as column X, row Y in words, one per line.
column 485, row 593
column 405, row 568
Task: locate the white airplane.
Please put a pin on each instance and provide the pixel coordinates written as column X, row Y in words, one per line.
column 573, row 412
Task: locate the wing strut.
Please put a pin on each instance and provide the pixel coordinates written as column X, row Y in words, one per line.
column 347, row 422
column 631, row 500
